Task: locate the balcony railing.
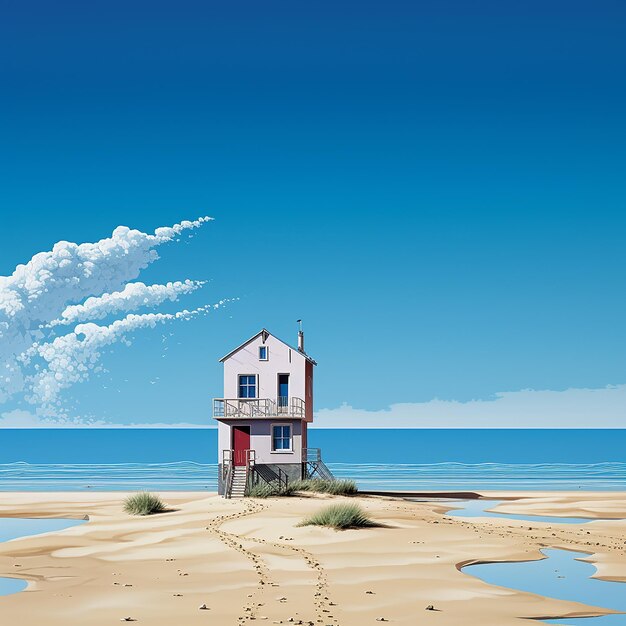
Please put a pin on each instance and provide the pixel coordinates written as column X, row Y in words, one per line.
column 251, row 408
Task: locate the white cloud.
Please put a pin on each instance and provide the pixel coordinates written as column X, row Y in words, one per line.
column 73, row 283
column 572, row 408
column 72, row 357
column 41, row 289
column 133, row 296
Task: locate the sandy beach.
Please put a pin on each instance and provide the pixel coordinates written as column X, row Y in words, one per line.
column 246, row 560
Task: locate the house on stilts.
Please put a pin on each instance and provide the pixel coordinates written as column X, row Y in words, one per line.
column 264, row 415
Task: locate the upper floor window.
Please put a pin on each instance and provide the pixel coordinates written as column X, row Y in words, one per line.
column 247, row 386
column 264, row 353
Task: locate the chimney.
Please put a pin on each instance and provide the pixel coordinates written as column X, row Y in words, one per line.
column 300, row 338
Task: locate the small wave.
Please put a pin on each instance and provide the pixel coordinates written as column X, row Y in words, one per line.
column 190, row 475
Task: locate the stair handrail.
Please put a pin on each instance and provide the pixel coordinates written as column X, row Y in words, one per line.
column 227, row 458
column 227, row 472
column 312, row 455
column 228, row 482
column 313, row 464
column 324, row 471
column 250, row 462
column 283, row 478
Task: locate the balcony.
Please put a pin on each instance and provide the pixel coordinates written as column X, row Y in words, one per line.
column 253, row 408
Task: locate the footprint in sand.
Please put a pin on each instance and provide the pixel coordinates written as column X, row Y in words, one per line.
column 321, row 600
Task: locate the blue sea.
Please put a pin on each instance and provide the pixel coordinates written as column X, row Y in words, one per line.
column 378, row 459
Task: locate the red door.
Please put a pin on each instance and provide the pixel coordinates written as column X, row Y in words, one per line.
column 241, row 443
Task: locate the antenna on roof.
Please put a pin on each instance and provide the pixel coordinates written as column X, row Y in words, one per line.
column 300, row 337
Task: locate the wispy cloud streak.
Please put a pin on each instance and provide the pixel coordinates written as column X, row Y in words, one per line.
column 132, row 297
column 71, row 358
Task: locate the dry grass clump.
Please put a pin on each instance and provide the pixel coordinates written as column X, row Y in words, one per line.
column 342, row 487
column 144, row 503
column 268, row 490
column 340, row 517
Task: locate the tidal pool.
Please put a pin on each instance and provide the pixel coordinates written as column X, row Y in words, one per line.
column 14, row 527
column 11, row 585
column 479, row 508
column 562, row 576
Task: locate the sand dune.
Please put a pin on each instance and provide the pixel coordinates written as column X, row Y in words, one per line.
column 246, row 560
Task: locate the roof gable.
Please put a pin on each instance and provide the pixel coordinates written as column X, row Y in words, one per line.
column 267, row 333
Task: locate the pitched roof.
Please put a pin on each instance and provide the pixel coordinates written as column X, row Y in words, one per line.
column 267, row 333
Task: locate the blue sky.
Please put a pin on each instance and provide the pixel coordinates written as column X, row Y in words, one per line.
column 437, row 189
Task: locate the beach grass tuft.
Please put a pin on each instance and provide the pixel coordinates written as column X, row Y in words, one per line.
column 261, row 490
column 268, row 490
column 144, row 503
column 342, row 487
column 340, row 517
column 314, row 485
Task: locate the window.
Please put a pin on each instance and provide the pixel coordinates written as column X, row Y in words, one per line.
column 264, row 353
column 281, row 437
column 247, row 386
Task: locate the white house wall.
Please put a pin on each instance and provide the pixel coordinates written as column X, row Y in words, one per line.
column 282, row 360
column 261, row 440
column 223, row 439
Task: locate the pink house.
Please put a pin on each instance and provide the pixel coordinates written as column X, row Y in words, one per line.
column 264, row 415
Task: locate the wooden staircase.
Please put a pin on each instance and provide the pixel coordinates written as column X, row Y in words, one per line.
column 238, row 485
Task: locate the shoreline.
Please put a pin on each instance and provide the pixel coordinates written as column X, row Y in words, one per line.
column 240, row 556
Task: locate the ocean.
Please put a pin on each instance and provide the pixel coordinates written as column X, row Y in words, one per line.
column 407, row 459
